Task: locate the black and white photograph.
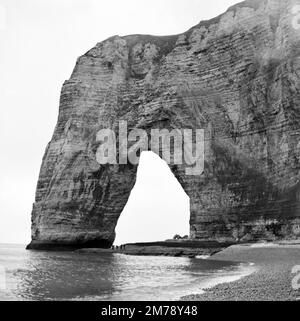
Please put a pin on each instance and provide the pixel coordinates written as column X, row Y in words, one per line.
column 150, row 152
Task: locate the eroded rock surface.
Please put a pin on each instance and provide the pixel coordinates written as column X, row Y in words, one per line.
column 236, row 76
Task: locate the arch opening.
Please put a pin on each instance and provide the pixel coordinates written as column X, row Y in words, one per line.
column 158, row 208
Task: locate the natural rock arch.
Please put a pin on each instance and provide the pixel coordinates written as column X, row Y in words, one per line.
column 157, row 208
column 240, row 85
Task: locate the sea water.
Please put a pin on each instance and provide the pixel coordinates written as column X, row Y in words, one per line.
column 42, row 275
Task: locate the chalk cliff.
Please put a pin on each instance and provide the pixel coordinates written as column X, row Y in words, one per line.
column 235, row 76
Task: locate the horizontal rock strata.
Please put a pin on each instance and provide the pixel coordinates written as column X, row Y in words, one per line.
column 235, row 76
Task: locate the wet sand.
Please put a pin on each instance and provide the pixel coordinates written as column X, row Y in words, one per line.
column 272, row 279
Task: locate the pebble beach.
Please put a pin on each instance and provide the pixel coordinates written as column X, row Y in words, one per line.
column 272, row 280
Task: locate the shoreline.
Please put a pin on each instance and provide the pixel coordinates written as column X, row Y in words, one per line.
column 270, row 280
column 260, row 272
column 224, row 277
column 269, row 277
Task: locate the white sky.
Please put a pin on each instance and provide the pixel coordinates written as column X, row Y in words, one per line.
column 40, row 41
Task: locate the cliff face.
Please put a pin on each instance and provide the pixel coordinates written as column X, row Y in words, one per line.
column 235, row 76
